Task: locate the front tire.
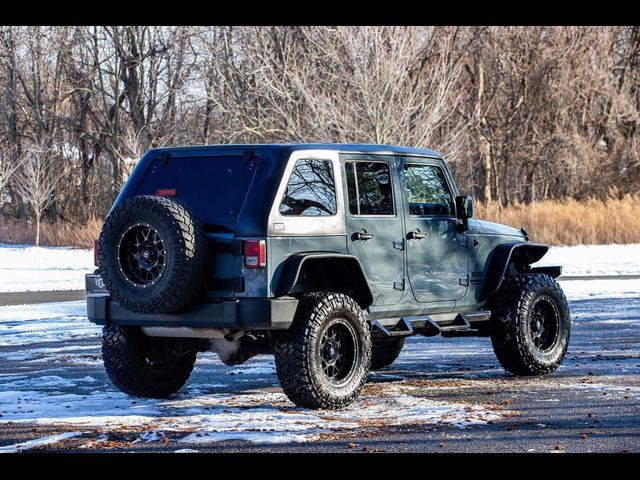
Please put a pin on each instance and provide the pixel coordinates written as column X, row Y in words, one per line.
column 323, row 360
column 530, row 324
column 144, row 366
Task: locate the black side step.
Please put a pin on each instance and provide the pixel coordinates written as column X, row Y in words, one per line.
column 460, row 323
column 461, row 326
column 401, row 329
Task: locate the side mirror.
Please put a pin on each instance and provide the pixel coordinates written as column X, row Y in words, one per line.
column 464, row 210
column 464, row 207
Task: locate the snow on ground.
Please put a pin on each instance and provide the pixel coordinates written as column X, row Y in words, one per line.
column 585, row 289
column 206, row 411
column 39, row 442
column 24, row 268
column 256, row 415
column 46, row 322
column 594, row 260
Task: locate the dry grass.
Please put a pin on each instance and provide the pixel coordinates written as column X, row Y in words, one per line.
column 572, row 222
column 60, row 234
column 557, row 222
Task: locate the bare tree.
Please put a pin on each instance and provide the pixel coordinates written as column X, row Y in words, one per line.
column 38, row 180
column 521, row 113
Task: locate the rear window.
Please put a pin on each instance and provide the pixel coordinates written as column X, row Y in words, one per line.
column 214, row 187
column 311, row 190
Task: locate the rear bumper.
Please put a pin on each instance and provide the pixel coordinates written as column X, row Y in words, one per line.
column 234, row 314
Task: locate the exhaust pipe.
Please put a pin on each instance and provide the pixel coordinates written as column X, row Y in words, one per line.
column 232, row 346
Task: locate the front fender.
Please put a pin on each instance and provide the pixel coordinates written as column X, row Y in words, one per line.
column 522, row 254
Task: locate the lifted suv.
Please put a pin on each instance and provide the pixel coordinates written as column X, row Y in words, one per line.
column 327, row 256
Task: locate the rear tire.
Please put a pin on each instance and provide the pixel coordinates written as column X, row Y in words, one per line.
column 385, row 352
column 530, row 324
column 144, row 366
column 323, row 360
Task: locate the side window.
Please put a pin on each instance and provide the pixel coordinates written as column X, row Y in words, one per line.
column 369, row 188
column 427, row 191
column 311, row 190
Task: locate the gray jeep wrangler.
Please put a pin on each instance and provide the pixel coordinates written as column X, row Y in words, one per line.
column 326, row 256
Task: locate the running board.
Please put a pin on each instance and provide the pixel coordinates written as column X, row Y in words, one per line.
column 401, row 329
column 462, row 325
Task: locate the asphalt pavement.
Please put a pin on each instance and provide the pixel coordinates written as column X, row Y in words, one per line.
column 590, row 404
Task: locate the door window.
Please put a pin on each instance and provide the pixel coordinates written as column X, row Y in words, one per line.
column 427, row 191
column 369, row 188
column 311, row 190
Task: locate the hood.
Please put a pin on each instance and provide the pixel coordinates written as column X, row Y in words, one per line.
column 490, row 228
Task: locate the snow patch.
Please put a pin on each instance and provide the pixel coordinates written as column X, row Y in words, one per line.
column 598, row 289
column 580, row 260
column 25, row 268
column 46, row 322
column 38, row 442
column 259, row 416
column 254, row 370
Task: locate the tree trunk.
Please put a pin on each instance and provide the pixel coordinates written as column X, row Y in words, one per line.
column 487, row 166
column 485, row 144
column 38, row 215
column 208, row 111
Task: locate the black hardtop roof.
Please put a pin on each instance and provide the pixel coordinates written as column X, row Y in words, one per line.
column 342, row 147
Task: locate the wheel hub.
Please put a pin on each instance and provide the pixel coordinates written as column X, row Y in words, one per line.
column 331, row 352
column 141, row 255
column 544, row 324
column 337, row 352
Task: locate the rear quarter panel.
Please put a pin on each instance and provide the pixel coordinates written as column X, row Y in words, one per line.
column 280, row 248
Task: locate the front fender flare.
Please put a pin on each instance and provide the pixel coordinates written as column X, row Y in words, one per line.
column 524, row 253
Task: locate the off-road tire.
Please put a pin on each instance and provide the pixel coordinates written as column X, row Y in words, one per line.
column 385, row 352
column 511, row 324
column 125, row 360
column 298, row 361
column 186, row 255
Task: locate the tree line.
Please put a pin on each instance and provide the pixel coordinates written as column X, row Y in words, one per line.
column 521, row 113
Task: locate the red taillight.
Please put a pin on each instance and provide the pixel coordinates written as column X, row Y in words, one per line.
column 166, row 192
column 255, row 253
column 95, row 252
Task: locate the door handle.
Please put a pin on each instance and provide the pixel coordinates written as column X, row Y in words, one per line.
column 417, row 235
column 362, row 236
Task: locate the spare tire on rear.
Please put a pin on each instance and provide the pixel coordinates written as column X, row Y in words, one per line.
column 153, row 255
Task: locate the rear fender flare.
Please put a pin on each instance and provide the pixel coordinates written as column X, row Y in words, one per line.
column 346, row 275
